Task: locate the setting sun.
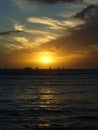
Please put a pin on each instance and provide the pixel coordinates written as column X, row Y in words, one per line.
column 46, row 60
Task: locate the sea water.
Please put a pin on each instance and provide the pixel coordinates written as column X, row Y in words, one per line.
column 68, row 100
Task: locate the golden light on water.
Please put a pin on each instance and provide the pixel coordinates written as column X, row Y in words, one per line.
column 46, row 97
column 46, row 125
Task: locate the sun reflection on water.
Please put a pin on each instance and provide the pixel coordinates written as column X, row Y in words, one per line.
column 46, row 97
column 43, row 125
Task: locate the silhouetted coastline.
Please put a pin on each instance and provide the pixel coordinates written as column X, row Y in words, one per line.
column 49, row 71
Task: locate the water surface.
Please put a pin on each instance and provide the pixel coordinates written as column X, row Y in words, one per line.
column 68, row 100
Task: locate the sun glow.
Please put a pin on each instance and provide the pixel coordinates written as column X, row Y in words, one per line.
column 46, row 59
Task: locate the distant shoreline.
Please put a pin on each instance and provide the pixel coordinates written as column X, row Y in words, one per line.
column 50, row 71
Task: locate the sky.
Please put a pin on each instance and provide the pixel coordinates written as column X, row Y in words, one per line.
column 44, row 33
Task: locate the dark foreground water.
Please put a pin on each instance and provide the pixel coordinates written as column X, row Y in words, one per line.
column 68, row 100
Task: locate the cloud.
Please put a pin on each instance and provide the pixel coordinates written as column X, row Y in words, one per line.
column 55, row 1
column 88, row 13
column 91, row 1
column 24, row 5
column 55, row 28
column 69, row 1
column 54, row 24
column 9, row 32
column 19, row 27
column 7, row 41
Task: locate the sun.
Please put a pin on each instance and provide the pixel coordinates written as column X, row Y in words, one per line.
column 46, row 59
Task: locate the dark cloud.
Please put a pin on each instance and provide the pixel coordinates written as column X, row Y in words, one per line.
column 88, row 13
column 81, row 39
column 54, row 1
column 10, row 32
column 87, row 34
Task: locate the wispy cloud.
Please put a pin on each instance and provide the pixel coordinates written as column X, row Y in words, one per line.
column 91, row 1
column 10, row 32
column 54, row 24
column 24, row 5
column 55, row 28
column 54, row 1
column 19, row 27
column 36, row 36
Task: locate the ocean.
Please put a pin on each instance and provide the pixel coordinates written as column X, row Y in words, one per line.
column 48, row 99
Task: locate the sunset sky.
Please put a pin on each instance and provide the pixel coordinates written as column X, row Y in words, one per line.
column 48, row 33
